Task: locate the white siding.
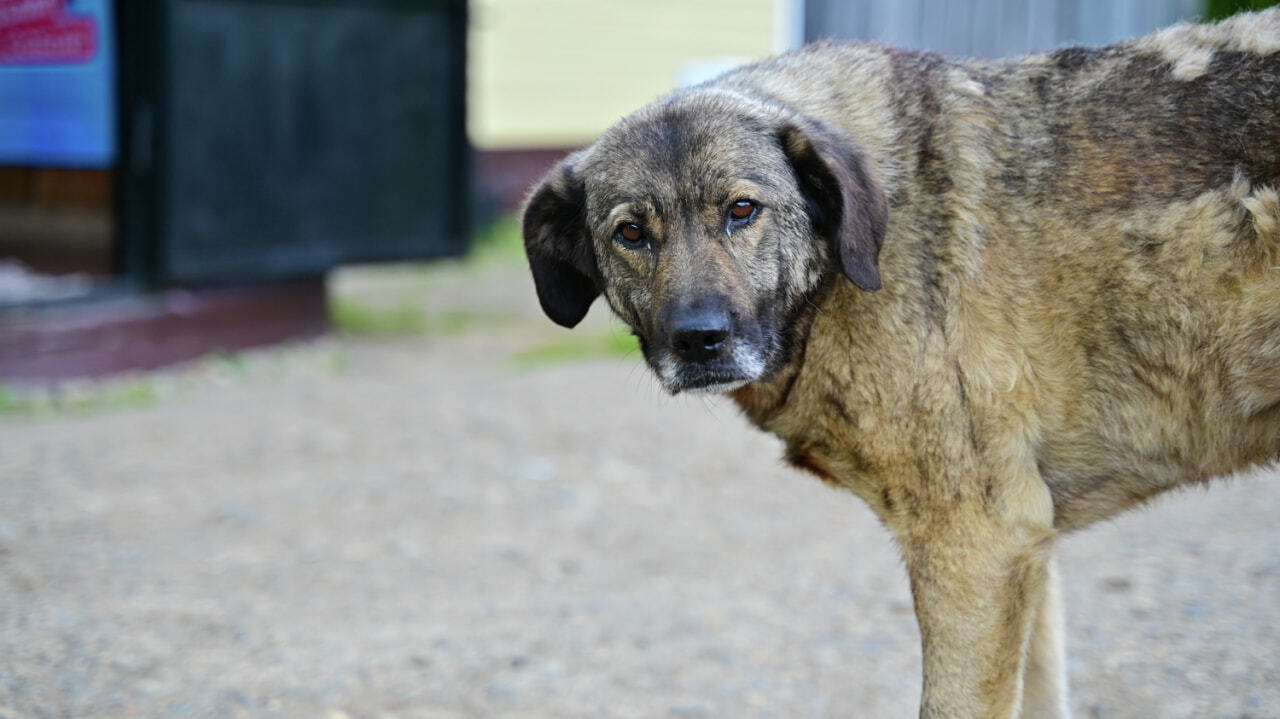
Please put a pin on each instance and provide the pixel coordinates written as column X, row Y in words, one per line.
column 556, row 73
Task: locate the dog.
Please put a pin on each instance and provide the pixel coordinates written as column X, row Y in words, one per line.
column 997, row 300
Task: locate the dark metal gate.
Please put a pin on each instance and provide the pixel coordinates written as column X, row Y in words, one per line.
column 268, row 139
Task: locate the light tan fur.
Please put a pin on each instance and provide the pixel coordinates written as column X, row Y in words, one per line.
column 1079, row 255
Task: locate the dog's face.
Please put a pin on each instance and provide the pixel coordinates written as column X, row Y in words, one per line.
column 707, row 221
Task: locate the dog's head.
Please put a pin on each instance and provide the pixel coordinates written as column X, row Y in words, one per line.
column 707, row 220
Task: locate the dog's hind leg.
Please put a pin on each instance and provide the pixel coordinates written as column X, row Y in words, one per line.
column 1044, row 689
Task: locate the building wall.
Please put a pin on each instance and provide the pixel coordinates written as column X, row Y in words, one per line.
column 555, row 73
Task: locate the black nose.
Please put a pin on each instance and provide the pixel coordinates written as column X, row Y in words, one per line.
column 699, row 334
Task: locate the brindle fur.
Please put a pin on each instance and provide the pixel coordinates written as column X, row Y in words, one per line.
column 997, row 300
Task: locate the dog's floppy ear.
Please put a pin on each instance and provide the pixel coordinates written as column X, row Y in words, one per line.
column 559, row 247
column 847, row 204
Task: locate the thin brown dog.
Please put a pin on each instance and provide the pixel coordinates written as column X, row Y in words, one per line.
column 997, row 300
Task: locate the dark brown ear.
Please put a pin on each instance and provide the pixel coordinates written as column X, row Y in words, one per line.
column 559, row 247
column 846, row 203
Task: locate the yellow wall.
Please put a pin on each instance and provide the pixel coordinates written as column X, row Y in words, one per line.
column 555, row 73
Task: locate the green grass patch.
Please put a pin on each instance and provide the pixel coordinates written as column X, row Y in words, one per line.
column 354, row 317
column 360, row 318
column 78, row 398
column 500, row 242
column 233, row 362
column 10, row 401
column 456, row 321
column 576, row 350
column 130, row 395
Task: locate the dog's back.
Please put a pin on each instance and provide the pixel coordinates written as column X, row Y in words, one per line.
column 1102, row 229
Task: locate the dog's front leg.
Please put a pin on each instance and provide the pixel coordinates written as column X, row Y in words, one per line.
column 1044, row 694
column 978, row 576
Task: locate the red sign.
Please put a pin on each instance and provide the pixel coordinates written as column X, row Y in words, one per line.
column 39, row 32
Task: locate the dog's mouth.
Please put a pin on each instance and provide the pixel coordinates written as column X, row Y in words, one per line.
column 710, row 383
column 740, row 366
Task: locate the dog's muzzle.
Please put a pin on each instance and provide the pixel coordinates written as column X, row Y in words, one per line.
column 706, row 348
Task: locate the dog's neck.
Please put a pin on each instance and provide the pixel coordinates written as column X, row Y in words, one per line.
column 761, row 401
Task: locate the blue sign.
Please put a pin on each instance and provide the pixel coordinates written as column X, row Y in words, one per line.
column 57, row 83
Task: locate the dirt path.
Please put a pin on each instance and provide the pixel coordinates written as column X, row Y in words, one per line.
column 426, row 527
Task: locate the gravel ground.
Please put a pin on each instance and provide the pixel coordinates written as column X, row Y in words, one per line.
column 422, row 526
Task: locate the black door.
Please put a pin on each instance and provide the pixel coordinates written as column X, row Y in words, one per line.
column 267, row 139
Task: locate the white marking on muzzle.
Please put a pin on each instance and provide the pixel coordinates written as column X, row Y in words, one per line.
column 668, row 371
column 747, row 360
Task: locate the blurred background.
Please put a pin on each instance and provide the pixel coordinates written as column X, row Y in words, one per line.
column 284, row 433
column 178, row 168
column 227, row 156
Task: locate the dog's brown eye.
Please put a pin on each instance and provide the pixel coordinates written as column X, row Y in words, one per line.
column 631, row 235
column 741, row 213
